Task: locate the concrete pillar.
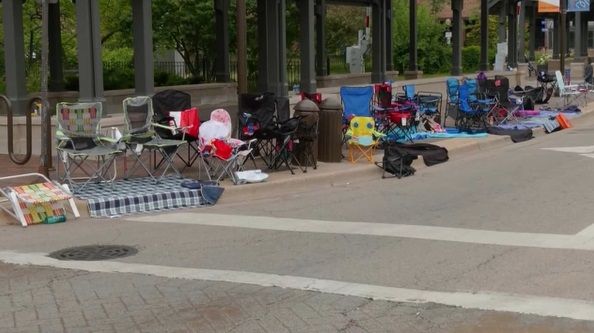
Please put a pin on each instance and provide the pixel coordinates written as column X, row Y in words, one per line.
column 306, row 45
column 272, row 44
column 56, row 67
column 321, row 55
column 511, row 34
column 378, row 33
column 521, row 51
column 14, row 49
column 556, row 36
column 584, row 28
column 484, row 62
column 144, row 78
column 90, row 67
column 532, row 32
column 563, row 35
column 281, row 28
column 389, row 50
column 578, row 40
column 413, row 68
column 222, row 67
column 501, row 33
column 242, row 85
column 457, row 30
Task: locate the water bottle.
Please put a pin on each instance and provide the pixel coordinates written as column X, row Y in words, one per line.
column 54, row 219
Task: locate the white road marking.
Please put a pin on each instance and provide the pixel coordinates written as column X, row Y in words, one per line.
column 587, row 232
column 577, row 149
column 523, row 304
column 475, row 236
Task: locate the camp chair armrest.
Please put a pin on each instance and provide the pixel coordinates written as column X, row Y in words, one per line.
column 108, row 139
column 378, row 134
column 171, row 128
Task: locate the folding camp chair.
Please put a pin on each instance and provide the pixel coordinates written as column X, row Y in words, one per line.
column 81, row 147
column 140, row 136
column 257, row 116
column 221, row 155
column 306, row 137
column 38, row 202
column 572, row 92
column 227, row 157
column 452, row 87
column 470, row 116
column 362, row 138
column 356, row 101
column 173, row 108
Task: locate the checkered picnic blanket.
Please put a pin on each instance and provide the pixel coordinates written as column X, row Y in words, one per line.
column 138, row 195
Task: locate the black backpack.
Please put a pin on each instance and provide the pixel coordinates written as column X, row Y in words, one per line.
column 397, row 162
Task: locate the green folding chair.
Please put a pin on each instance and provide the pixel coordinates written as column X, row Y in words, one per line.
column 140, row 136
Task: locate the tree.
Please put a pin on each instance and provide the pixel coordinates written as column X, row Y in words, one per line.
column 186, row 26
column 342, row 27
column 434, row 56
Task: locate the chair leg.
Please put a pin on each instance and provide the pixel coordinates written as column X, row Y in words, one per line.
column 138, row 161
column 17, row 208
column 169, row 163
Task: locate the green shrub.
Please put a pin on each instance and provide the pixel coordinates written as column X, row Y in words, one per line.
column 118, row 69
column 471, row 56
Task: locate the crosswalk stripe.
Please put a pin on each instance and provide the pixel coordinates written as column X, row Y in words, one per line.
column 475, row 236
column 523, row 304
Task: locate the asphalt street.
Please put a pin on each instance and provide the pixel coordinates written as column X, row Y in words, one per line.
column 495, row 241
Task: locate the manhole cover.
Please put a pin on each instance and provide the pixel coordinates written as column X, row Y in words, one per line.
column 94, row 252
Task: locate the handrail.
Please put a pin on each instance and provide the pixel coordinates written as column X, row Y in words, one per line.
column 10, row 130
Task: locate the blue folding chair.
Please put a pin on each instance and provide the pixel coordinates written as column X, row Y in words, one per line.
column 356, row 101
column 452, row 87
column 471, row 117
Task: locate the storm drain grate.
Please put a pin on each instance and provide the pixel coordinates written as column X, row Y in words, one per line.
column 94, row 252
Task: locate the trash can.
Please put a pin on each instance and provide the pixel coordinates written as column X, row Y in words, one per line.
column 330, row 128
column 306, row 151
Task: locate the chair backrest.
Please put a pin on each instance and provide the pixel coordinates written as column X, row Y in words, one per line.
column 138, row 114
column 314, row 97
column 383, row 94
column 409, row 91
column 170, row 100
column 261, row 107
column 560, row 82
column 222, row 116
column 356, row 101
column 472, row 87
column 79, row 119
column 452, row 86
column 362, row 128
column 464, row 96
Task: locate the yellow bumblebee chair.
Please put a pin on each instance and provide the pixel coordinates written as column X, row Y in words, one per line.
column 362, row 138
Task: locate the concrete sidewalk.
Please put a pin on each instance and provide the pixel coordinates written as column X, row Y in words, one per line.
column 326, row 173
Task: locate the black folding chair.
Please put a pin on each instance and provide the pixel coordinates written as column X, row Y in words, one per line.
column 163, row 103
